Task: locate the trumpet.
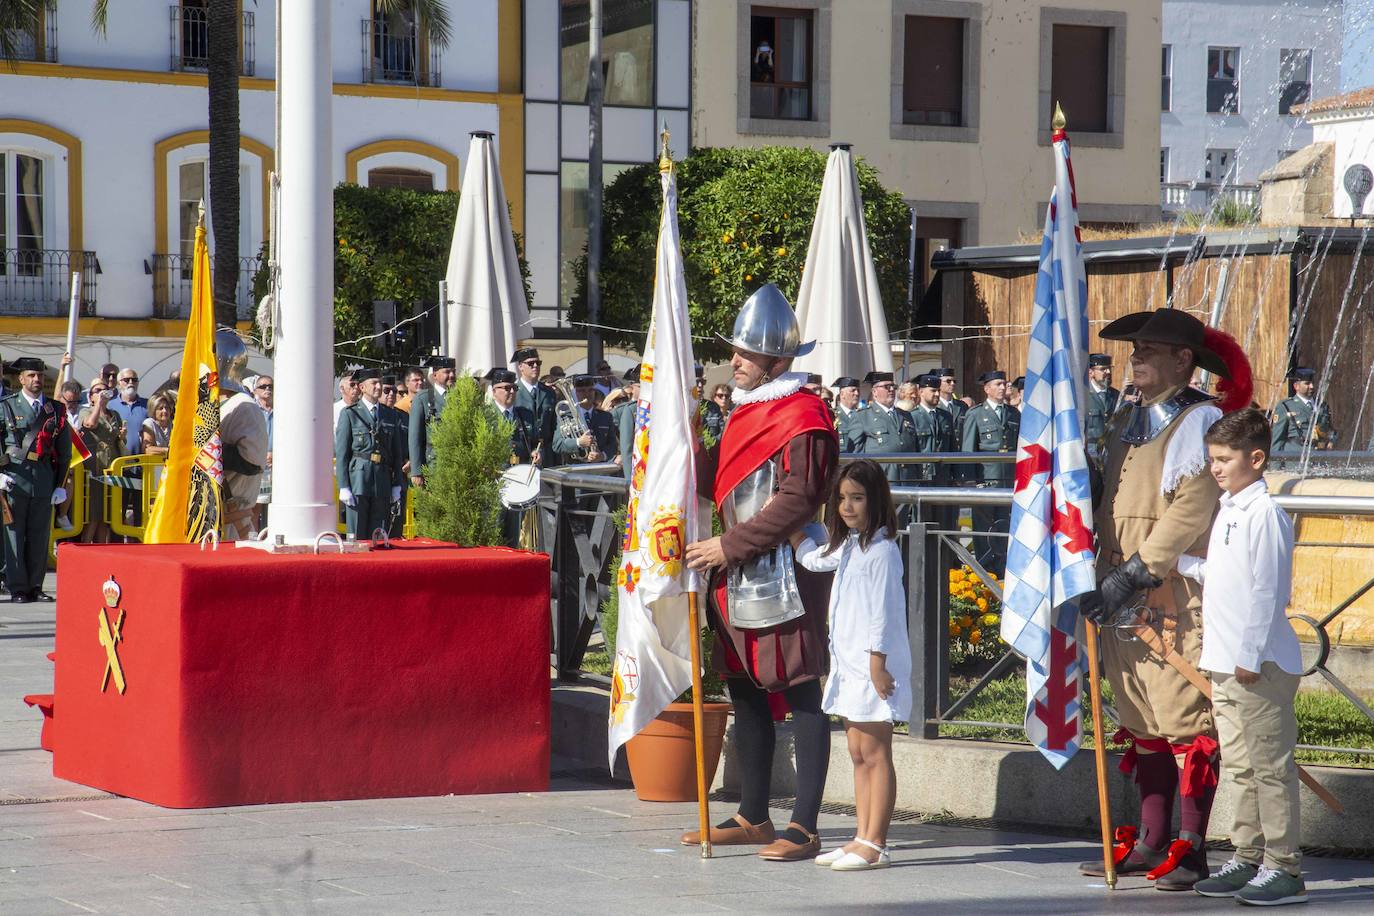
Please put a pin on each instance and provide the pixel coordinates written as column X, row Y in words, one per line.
column 570, row 422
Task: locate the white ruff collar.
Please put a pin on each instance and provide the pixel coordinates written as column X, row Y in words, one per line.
column 776, row 390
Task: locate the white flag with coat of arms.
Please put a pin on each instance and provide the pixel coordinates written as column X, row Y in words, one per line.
column 653, row 639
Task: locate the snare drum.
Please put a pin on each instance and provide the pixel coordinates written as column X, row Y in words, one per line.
column 519, row 486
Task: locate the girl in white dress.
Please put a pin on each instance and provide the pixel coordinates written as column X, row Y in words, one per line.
column 870, row 658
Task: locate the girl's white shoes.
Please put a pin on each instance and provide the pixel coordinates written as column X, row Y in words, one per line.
column 839, row 860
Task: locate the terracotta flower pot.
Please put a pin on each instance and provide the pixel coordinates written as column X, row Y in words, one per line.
column 662, row 757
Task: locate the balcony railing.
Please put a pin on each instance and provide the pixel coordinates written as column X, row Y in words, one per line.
column 38, row 43
column 172, row 286
column 1177, row 196
column 398, row 55
column 191, row 39
column 38, row 281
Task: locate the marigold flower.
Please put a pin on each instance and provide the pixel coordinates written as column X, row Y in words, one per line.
column 982, row 604
column 748, row 277
column 781, row 251
column 954, row 629
column 966, row 621
column 975, row 637
column 727, row 238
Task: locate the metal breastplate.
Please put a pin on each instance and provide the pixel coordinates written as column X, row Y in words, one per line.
column 1143, row 424
column 761, row 592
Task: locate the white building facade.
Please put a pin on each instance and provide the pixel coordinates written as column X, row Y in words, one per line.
column 1231, row 73
column 104, row 146
column 647, row 55
column 1347, row 123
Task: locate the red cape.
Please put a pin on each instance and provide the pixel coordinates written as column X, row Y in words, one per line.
column 757, row 432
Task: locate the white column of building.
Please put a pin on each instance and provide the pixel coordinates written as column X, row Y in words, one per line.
column 302, row 489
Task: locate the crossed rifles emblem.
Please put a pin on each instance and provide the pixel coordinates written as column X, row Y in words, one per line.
column 111, row 637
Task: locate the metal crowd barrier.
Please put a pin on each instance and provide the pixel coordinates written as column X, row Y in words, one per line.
column 578, row 503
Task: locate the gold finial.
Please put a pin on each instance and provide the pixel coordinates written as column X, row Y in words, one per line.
column 665, row 157
column 1059, row 122
column 200, row 214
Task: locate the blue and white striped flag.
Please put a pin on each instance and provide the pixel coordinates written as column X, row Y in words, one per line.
column 1050, row 559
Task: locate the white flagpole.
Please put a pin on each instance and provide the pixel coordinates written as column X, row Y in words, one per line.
column 66, row 373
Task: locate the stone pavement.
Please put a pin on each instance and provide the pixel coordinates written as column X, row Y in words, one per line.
column 586, row 846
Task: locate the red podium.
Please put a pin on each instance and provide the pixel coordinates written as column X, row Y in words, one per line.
column 250, row 678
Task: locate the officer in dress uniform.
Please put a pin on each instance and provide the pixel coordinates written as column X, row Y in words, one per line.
column 425, row 408
column 624, row 417
column 1293, row 417
column 600, row 441
column 992, row 426
column 524, row 439
column 369, row 456
column 37, row 451
column 884, row 428
column 391, row 394
column 538, row 399
column 934, row 427
column 847, row 412
column 950, row 401
column 1102, row 400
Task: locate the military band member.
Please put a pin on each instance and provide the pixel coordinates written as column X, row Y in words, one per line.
column 884, row 428
column 847, row 412
column 599, row 442
column 369, row 454
column 1293, row 417
column 624, row 416
column 1102, row 400
column 37, row 444
column 538, row 399
column 524, row 440
column 992, row 426
column 426, row 407
column 934, row 427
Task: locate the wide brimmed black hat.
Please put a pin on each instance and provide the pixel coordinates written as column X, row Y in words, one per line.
column 1168, row 326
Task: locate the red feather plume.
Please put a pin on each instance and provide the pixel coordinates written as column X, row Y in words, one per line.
column 1237, row 391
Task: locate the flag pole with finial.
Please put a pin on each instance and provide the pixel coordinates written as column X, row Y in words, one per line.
column 1104, row 811
column 665, row 166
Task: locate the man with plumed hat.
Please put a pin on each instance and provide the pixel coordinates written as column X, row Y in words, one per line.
column 37, row 451
column 768, row 475
column 1300, row 419
column 1157, row 503
column 425, row 408
column 1102, row 400
column 934, row 427
column 992, row 426
column 624, row 417
column 524, row 438
column 847, row 412
column 538, row 399
column 369, row 454
column 884, row 428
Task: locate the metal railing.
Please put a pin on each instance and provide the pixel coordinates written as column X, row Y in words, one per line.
column 190, row 35
column 1175, row 196
column 38, row 281
column 38, row 43
column 171, row 275
column 398, row 55
column 578, row 504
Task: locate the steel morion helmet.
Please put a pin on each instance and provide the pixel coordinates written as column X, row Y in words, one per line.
column 767, row 325
column 232, row 355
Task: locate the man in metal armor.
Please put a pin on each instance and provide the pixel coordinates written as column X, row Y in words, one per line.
column 1300, row 419
column 243, row 435
column 768, row 475
column 1158, row 501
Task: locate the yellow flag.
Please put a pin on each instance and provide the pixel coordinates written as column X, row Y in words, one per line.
column 188, row 501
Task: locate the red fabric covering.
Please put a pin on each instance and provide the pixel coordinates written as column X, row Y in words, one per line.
column 757, row 432
column 254, row 678
column 1199, row 759
column 44, row 703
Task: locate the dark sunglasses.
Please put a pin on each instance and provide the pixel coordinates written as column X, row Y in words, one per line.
column 388, row 390
column 534, row 362
column 264, row 387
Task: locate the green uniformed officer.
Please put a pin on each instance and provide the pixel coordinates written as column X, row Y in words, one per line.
column 524, row 440
column 992, row 426
column 391, row 394
column 934, row 427
column 538, row 399
column 950, row 401
column 369, row 456
column 847, row 412
column 1102, row 401
column 37, row 443
column 600, row 442
column 624, row 416
column 1294, row 417
column 425, row 408
column 886, row 429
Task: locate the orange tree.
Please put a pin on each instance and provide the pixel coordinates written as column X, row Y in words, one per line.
column 745, row 217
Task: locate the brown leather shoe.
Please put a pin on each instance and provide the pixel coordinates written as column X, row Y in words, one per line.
column 784, row 850
column 746, row 834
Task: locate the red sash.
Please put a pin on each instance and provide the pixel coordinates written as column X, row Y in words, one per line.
column 757, row 432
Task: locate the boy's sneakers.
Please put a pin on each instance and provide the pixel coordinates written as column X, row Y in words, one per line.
column 1231, row 878
column 1273, row 887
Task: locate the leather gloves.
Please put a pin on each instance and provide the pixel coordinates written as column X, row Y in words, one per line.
column 1117, row 589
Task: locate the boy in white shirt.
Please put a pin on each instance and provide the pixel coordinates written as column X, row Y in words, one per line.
column 1252, row 654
